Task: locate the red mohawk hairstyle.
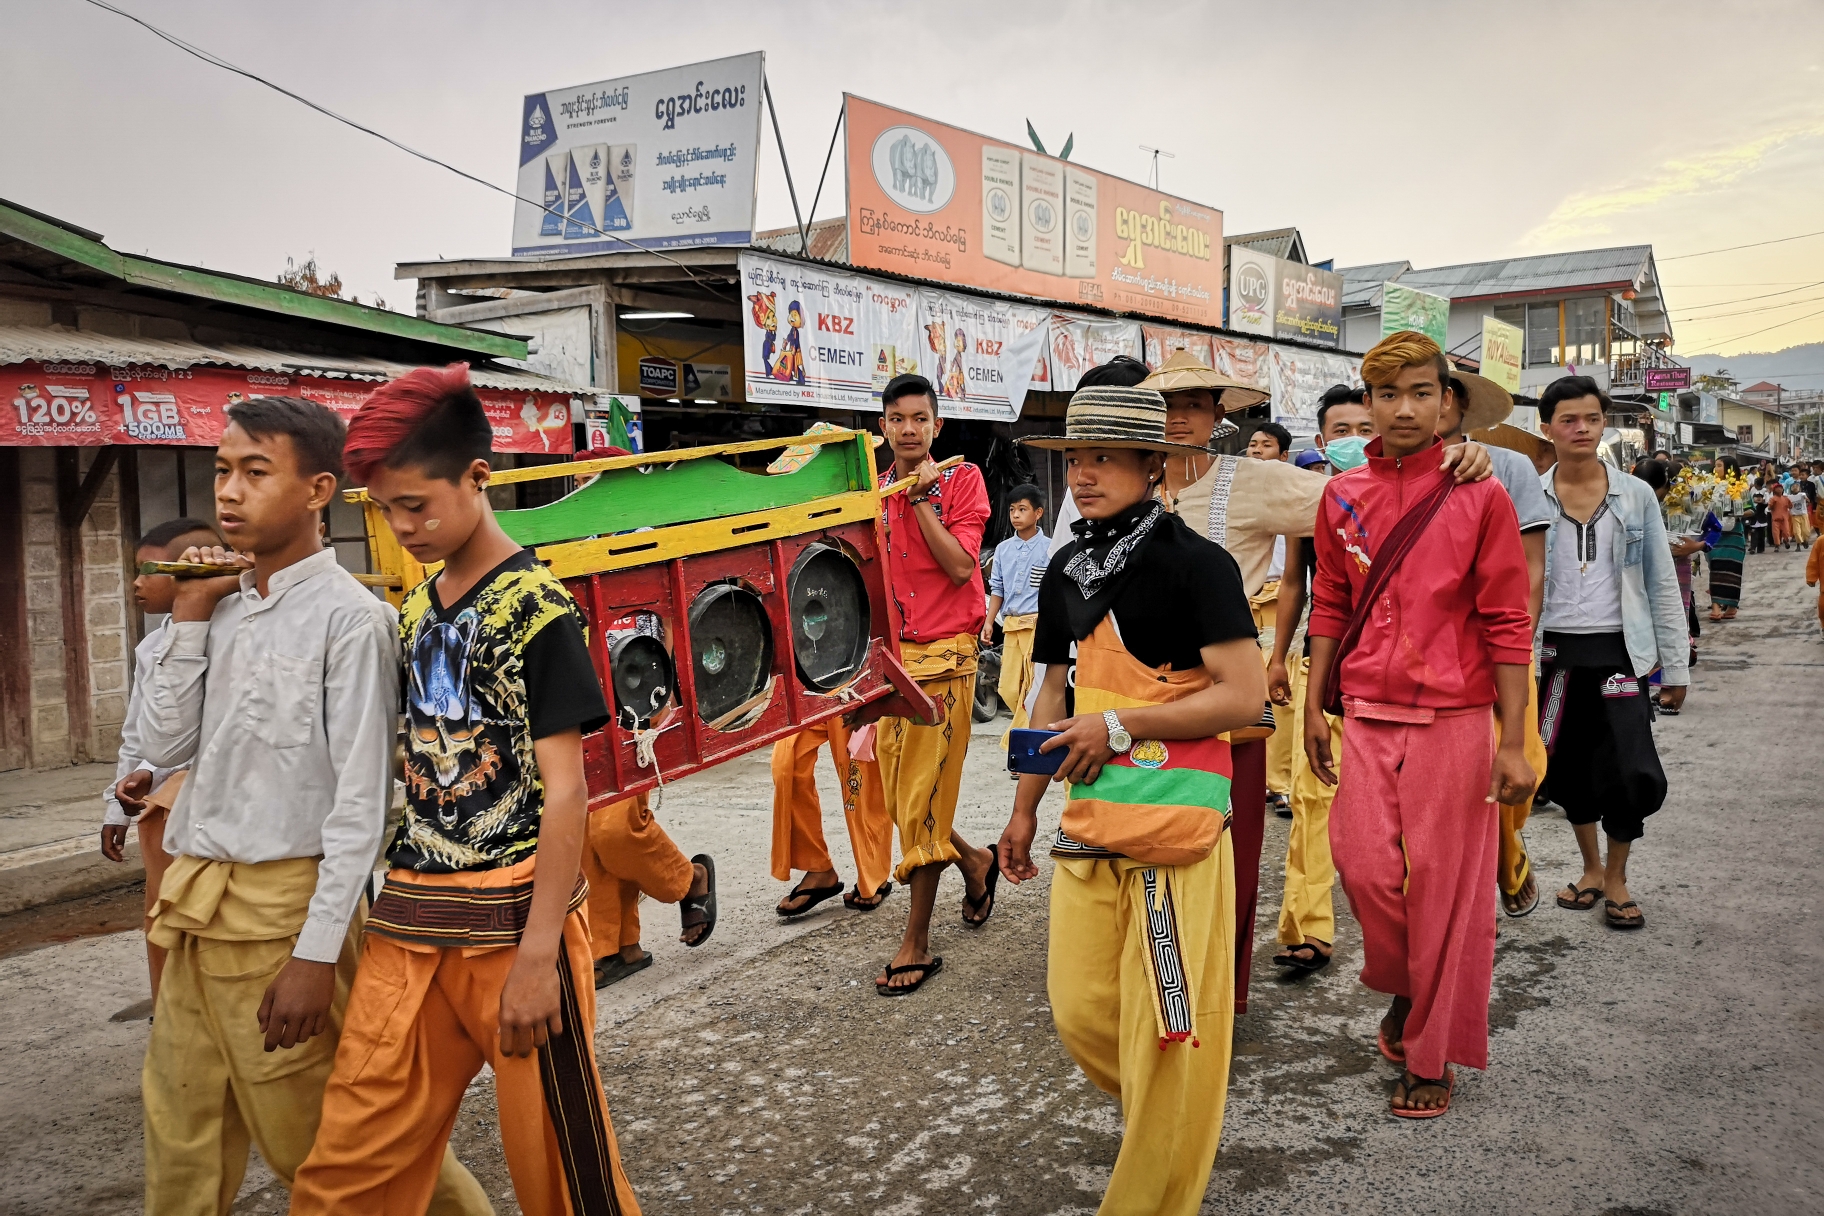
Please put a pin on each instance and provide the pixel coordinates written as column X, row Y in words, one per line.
column 429, row 418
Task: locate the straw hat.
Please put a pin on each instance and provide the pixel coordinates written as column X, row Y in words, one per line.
column 1182, row 371
column 1488, row 402
column 1502, row 435
column 1108, row 416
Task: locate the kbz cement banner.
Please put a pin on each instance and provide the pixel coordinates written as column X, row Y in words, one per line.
column 938, row 202
column 817, row 336
column 661, row 160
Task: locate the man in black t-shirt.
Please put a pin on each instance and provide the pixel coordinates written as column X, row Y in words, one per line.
column 1142, row 953
column 477, row 951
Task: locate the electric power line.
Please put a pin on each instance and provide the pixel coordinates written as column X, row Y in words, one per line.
column 1771, row 328
column 1746, row 312
column 1778, row 240
column 217, row 61
column 1745, row 299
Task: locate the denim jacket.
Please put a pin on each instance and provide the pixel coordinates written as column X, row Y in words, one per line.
column 1652, row 611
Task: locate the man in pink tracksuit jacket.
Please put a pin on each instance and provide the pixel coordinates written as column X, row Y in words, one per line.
column 1414, row 826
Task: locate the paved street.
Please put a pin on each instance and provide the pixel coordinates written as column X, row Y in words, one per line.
column 1671, row 1071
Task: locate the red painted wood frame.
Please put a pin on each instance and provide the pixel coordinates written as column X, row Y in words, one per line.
column 687, row 744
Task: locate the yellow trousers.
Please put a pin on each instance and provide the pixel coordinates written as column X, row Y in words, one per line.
column 798, row 842
column 209, row 1086
column 1284, row 740
column 921, row 767
column 1016, row 668
column 1305, row 909
column 1514, row 865
column 1102, row 1002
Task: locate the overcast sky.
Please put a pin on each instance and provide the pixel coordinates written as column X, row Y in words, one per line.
column 1433, row 132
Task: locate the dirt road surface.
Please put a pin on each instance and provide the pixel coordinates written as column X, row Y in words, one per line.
column 1669, row 1071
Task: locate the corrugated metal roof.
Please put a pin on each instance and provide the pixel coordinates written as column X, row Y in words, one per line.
column 1544, row 272
column 1279, row 242
column 829, row 240
column 60, row 344
column 1362, row 284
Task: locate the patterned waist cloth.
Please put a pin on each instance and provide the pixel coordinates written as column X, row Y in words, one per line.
column 456, row 914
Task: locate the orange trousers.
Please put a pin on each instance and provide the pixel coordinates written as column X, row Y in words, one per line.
column 421, row 1022
column 625, row 854
column 798, row 842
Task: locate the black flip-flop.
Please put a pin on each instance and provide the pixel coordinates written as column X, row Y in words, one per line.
column 930, row 969
column 815, row 896
column 986, row 905
column 1317, row 962
column 1528, row 909
column 614, row 969
column 1282, row 806
column 1583, row 893
column 703, row 905
column 1612, row 911
column 852, row 898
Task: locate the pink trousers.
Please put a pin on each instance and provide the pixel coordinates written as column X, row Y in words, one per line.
column 1416, row 846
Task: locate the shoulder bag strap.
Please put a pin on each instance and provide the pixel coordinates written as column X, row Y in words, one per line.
column 1405, row 534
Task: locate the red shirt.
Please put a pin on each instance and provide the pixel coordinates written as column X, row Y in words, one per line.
column 1456, row 607
column 930, row 605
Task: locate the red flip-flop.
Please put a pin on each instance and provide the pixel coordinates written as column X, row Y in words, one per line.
column 1449, row 1080
column 1380, row 1040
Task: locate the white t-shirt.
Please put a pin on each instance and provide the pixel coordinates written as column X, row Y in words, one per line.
column 1583, row 585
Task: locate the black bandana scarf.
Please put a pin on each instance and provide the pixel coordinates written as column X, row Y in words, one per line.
column 1097, row 562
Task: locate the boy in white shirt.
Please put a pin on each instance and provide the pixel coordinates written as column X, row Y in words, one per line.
column 136, row 779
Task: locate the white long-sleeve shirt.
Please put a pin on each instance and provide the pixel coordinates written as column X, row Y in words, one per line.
column 285, row 708
column 131, row 761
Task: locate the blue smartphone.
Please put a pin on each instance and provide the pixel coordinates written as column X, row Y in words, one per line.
column 1024, row 756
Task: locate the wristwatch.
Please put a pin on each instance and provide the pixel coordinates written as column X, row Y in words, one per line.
column 1118, row 738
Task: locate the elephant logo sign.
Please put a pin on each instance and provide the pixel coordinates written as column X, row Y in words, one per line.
column 913, row 168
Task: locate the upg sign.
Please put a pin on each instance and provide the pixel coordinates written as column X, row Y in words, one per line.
column 1251, row 294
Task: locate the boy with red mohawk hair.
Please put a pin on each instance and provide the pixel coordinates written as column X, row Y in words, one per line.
column 477, row 951
column 1419, row 623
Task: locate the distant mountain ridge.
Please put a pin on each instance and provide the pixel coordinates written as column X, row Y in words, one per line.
column 1794, row 367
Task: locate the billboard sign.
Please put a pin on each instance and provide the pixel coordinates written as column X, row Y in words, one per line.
column 1309, row 304
column 1667, row 379
column 937, row 202
column 88, row 404
column 656, row 161
column 1409, row 308
column 1501, row 347
column 1253, row 287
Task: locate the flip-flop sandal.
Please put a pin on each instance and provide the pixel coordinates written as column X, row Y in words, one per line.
column 704, row 905
column 1526, row 911
column 986, row 906
column 930, row 969
column 614, row 969
column 1380, row 1040
column 1585, row 900
column 1316, row 961
column 1282, row 806
column 1612, row 912
column 852, row 898
column 812, row 895
column 1449, row 1083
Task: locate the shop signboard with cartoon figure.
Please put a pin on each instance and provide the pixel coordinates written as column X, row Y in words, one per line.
column 660, row 160
column 88, row 404
column 934, row 201
column 813, row 335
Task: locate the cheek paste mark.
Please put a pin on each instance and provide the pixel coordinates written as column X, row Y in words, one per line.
column 430, row 525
